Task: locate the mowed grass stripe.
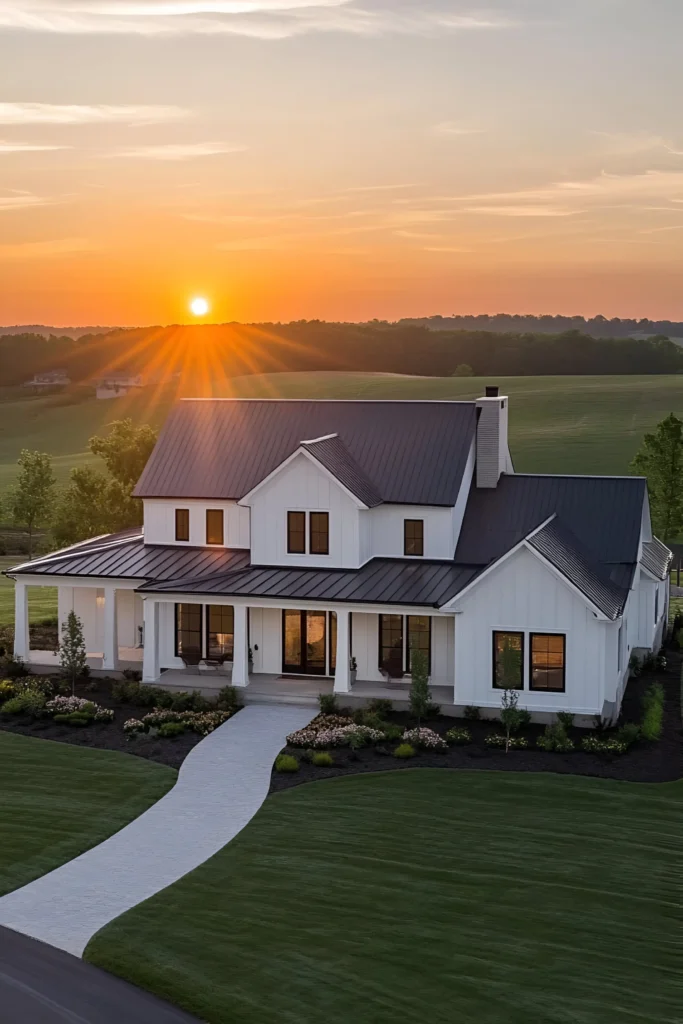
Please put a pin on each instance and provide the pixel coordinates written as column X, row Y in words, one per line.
column 426, row 896
column 58, row 800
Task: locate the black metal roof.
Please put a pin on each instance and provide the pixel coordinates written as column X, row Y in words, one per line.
column 332, row 453
column 413, row 452
column 657, row 558
column 562, row 549
column 121, row 556
column 380, row 581
column 603, row 513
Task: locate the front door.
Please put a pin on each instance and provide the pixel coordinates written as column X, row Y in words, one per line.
column 304, row 642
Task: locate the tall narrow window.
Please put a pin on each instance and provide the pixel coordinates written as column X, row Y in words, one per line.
column 182, row 524
column 296, row 533
column 188, row 629
column 214, row 526
column 420, row 638
column 333, row 642
column 320, row 533
column 547, row 662
column 391, row 645
column 508, row 661
column 220, row 630
column 413, row 537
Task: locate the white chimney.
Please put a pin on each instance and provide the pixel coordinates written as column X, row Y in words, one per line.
column 493, row 454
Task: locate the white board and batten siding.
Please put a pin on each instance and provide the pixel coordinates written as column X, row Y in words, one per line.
column 523, row 595
column 365, row 648
column 88, row 604
column 159, row 522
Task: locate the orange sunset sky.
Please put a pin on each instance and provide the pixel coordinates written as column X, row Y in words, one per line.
column 339, row 159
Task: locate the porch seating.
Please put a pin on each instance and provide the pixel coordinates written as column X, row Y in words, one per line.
column 219, row 662
column 392, row 668
column 191, row 657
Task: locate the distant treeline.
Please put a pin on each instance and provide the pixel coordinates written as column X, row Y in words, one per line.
column 208, row 352
column 597, row 326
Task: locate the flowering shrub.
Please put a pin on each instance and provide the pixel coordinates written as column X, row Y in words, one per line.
column 596, row 745
column 134, row 725
column 202, row 722
column 496, row 739
column 458, row 736
column 425, row 738
column 336, row 736
column 104, row 715
column 66, row 705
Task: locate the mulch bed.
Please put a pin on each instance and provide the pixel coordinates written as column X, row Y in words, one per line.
column 106, row 735
column 655, row 762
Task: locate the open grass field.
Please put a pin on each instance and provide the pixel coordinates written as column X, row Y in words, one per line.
column 414, row 896
column 42, row 601
column 58, row 800
column 557, row 424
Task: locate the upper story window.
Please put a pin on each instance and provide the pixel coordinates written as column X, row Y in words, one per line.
column 182, row 524
column 413, row 537
column 296, row 533
column 214, row 526
column 317, row 534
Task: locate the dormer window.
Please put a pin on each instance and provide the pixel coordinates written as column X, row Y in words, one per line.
column 214, row 526
column 413, row 536
column 296, row 533
column 182, row 524
column 317, row 534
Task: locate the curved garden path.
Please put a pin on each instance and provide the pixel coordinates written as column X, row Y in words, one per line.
column 221, row 785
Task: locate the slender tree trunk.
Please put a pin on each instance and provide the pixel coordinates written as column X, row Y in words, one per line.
column 30, row 541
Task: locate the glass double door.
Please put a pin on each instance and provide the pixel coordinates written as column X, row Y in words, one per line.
column 304, row 642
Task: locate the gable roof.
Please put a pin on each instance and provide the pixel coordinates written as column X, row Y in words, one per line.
column 220, row 449
column 558, row 545
column 332, row 453
column 657, row 558
column 603, row 513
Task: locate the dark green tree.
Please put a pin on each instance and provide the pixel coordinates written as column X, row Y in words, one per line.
column 72, row 653
column 420, row 694
column 510, row 715
column 660, row 459
column 30, row 500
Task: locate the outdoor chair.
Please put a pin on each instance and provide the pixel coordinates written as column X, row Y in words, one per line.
column 191, row 658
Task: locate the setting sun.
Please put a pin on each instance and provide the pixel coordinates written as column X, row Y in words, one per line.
column 199, row 306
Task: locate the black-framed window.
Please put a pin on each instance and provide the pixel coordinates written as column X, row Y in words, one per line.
column 547, row 661
column 182, row 524
column 332, row 634
column 419, row 638
column 391, row 644
column 296, row 533
column 220, row 630
column 214, row 526
column 188, row 628
column 413, row 537
column 508, row 660
column 319, row 524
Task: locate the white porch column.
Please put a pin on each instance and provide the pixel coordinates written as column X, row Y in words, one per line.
column 111, row 631
column 342, row 672
column 21, row 638
column 150, row 655
column 240, row 657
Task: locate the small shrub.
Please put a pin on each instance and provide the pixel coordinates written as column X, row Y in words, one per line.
column 433, row 710
column 458, row 736
column 180, row 701
column 634, row 666
column 629, row 734
column 555, row 739
column 133, row 726
column 497, row 739
column 649, row 662
column 286, row 763
column 13, row 668
column 371, row 719
column 359, row 738
column 328, row 704
column 653, row 713
column 404, row 750
column 603, row 745
column 472, row 713
column 427, row 739
column 104, row 715
column 7, row 689
column 392, row 732
column 322, row 759
column 228, row 699
column 380, row 706
column 660, row 663
column 132, row 675
column 566, row 719
column 155, row 697
column 74, row 718
column 169, row 730
column 27, row 702
column 524, row 718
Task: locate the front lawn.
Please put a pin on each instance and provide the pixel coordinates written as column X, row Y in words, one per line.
column 430, row 895
column 58, row 800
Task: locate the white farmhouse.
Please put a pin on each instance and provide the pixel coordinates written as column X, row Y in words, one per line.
column 302, row 546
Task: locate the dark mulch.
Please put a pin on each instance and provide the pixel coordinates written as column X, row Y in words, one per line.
column 109, row 735
column 655, row 762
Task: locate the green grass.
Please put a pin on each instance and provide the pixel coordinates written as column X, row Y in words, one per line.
column 429, row 895
column 57, row 800
column 557, row 424
column 42, row 601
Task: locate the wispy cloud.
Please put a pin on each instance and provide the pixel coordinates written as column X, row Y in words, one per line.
column 455, row 128
column 265, row 19
column 13, row 200
column 45, row 250
column 179, row 151
column 27, row 147
column 520, row 211
column 70, row 114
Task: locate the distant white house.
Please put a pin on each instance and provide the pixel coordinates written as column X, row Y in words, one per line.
column 116, row 385
column 48, row 379
column 303, row 546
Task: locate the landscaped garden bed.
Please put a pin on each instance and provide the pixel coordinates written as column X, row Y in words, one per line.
column 381, row 740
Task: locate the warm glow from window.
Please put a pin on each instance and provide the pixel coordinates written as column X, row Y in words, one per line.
column 199, row 306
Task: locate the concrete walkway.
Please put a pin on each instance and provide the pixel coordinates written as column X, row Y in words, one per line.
column 221, row 785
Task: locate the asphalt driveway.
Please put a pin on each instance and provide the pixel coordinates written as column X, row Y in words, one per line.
column 43, row 985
